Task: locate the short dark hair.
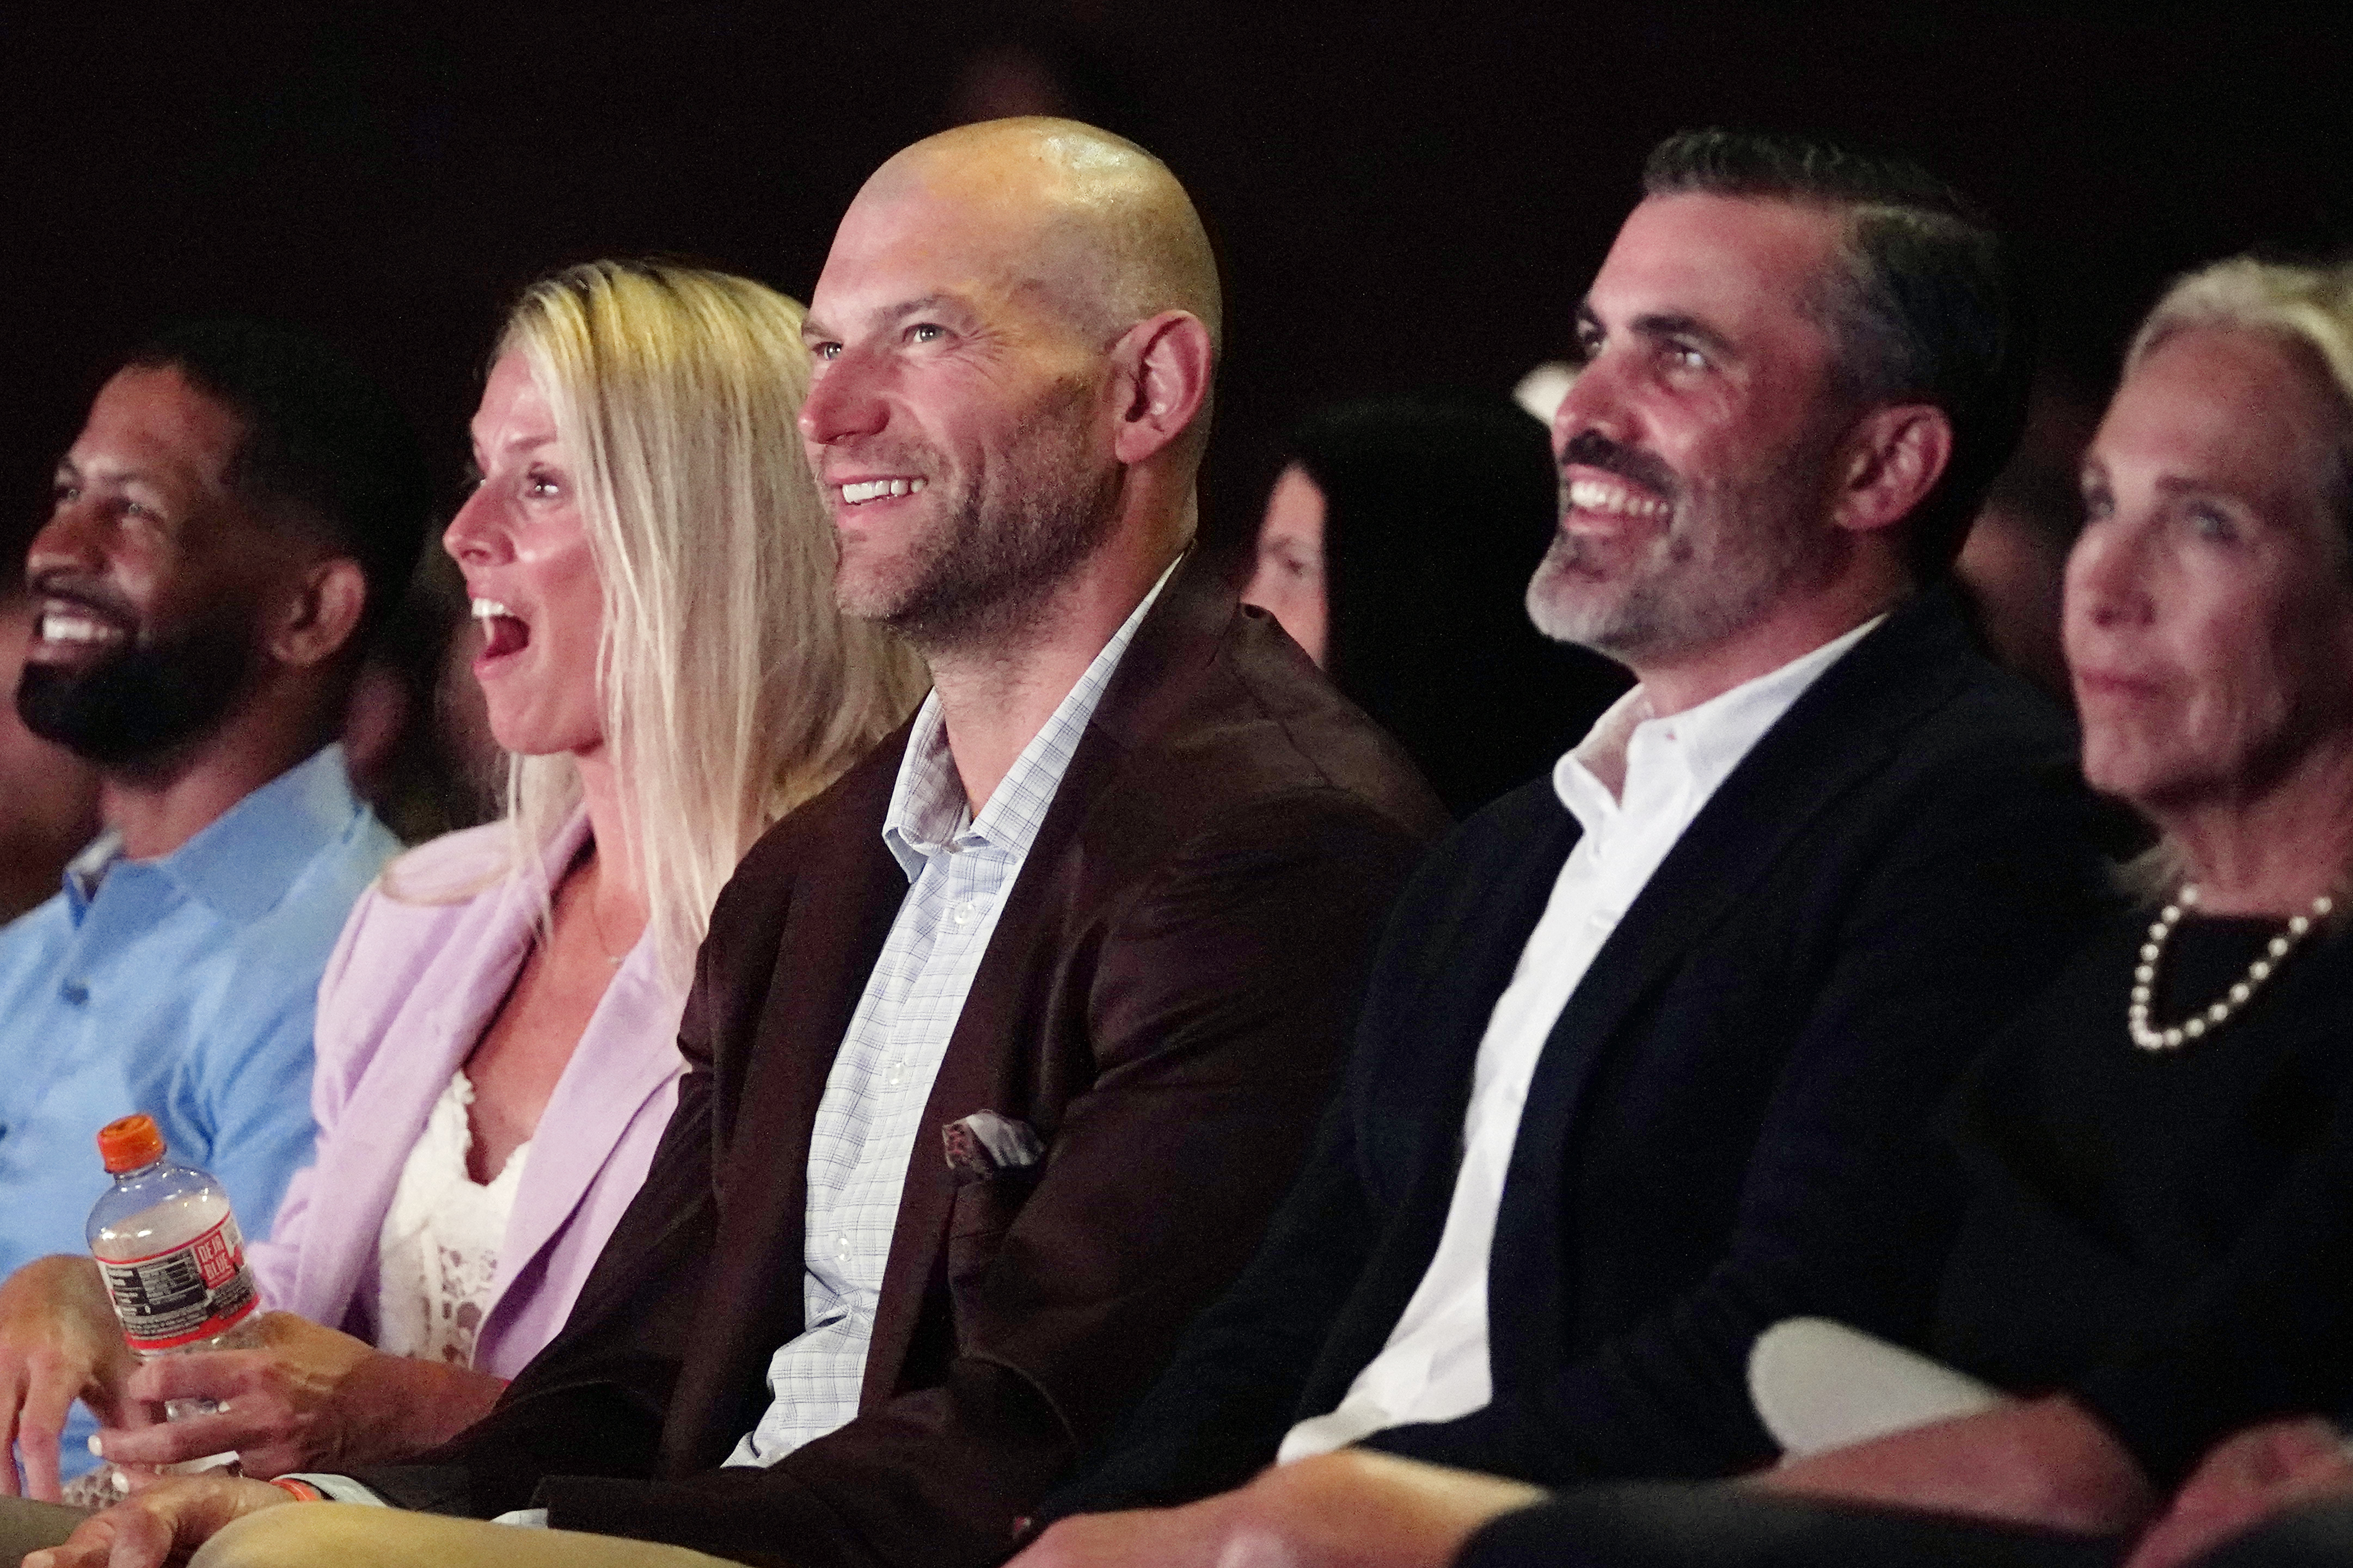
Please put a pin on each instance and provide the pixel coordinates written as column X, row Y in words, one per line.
column 321, row 444
column 1923, row 309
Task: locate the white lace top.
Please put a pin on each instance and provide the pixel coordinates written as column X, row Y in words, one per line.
column 437, row 1254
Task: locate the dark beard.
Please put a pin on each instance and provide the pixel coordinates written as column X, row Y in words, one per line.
column 987, row 586
column 985, row 576
column 129, row 713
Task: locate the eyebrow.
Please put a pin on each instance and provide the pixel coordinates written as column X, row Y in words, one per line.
column 813, row 329
column 521, row 443
column 1663, row 324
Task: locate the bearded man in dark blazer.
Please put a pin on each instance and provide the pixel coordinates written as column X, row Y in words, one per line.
column 1651, row 1041
column 1003, row 1050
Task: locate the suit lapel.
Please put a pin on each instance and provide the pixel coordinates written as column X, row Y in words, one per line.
column 770, row 1073
column 626, row 1054
column 994, row 1059
column 1841, row 732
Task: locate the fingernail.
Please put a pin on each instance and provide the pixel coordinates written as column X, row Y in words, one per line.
column 97, row 1446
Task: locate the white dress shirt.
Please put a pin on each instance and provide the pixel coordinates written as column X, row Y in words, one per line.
column 959, row 868
column 1435, row 1365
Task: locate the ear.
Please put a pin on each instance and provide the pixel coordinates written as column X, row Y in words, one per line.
column 321, row 613
column 1894, row 456
column 1161, row 369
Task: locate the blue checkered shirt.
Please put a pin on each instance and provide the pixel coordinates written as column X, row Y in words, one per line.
column 959, row 868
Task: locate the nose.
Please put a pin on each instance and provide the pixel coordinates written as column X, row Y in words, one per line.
column 70, row 540
column 844, row 401
column 1596, row 401
column 477, row 536
column 2106, row 580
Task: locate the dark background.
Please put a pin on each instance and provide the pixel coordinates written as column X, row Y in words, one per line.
column 1402, row 194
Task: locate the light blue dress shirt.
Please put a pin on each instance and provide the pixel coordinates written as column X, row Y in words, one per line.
column 181, row 986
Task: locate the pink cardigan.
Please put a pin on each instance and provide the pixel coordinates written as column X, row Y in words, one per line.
column 406, row 997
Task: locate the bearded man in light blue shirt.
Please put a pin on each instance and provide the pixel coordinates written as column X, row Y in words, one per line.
column 240, row 509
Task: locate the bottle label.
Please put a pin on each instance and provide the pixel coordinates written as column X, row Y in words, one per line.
column 192, row 1292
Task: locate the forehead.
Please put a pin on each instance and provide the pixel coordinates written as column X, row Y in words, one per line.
column 153, row 424
column 982, row 243
column 1729, row 261
column 2236, row 407
column 514, row 409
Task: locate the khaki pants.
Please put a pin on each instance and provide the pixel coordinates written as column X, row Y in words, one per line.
column 353, row 1535
column 27, row 1526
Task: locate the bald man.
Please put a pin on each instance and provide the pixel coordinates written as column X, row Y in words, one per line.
column 1001, row 1050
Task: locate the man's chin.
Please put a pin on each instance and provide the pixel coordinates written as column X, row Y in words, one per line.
column 128, row 713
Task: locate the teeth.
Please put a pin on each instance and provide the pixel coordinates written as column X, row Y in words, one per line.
column 1615, row 501
column 62, row 626
column 485, row 609
column 866, row 490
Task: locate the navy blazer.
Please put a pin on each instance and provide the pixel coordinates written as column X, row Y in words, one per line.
column 1721, row 1116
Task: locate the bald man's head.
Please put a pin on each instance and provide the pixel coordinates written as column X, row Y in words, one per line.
column 1013, row 337
column 1112, row 234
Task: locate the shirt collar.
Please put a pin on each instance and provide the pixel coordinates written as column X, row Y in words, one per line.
column 243, row 861
column 1706, row 741
column 928, row 811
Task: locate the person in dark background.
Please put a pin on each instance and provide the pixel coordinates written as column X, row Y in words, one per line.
column 416, row 735
column 240, row 509
column 2017, row 550
column 1396, row 549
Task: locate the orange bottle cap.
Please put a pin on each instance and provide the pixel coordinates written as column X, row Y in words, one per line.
column 129, row 1143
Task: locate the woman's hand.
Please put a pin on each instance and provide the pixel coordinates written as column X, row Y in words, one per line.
column 58, row 1341
column 2044, row 1462
column 163, row 1522
column 2246, row 1478
column 308, row 1398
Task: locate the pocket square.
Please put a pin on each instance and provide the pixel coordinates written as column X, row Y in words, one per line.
column 983, row 1144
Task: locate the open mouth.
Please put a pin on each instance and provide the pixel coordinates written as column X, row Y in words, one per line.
column 1609, row 498
column 864, row 491
column 67, row 626
column 504, row 632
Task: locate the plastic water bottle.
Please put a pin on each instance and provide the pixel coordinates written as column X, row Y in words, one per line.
column 171, row 1253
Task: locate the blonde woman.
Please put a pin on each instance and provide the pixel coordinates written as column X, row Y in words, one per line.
column 496, row 1056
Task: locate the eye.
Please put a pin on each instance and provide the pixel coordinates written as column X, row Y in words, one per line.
column 825, row 351
column 926, row 332
column 1686, row 356
column 541, row 484
column 2209, row 523
column 64, row 493
column 2097, row 502
column 1587, row 345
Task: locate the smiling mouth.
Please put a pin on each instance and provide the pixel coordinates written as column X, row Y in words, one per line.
column 504, row 632
column 1608, row 498
column 865, row 491
column 66, row 624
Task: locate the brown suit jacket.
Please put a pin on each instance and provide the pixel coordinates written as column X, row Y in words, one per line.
column 1165, row 1001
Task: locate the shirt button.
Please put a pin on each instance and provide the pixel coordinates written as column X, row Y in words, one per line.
column 841, row 1248
column 962, row 914
column 75, row 991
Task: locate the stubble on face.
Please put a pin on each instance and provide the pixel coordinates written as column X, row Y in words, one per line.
column 1729, row 549
column 982, row 569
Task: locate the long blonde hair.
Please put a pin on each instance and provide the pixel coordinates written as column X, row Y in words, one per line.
column 731, row 688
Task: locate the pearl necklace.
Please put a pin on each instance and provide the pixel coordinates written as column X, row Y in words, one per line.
column 2149, row 1037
